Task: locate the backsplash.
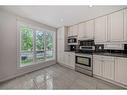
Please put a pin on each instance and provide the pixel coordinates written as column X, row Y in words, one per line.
column 125, row 46
column 100, row 48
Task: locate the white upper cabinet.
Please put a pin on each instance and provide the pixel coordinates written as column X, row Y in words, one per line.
column 89, row 28
column 73, row 30
column 70, row 31
column 115, row 27
column 81, row 30
column 100, row 29
column 86, row 30
column 121, row 70
column 109, row 28
column 125, row 25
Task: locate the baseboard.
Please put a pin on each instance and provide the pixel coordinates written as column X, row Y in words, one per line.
column 6, row 78
column 110, row 81
column 66, row 66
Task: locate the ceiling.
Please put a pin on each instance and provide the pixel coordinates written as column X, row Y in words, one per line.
column 58, row 16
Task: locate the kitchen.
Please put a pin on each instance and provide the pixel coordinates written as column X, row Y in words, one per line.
column 96, row 47
column 63, row 47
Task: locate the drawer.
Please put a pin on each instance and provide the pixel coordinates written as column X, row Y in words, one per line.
column 98, row 57
column 108, row 58
column 103, row 58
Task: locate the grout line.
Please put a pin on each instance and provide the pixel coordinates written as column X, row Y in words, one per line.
column 35, row 83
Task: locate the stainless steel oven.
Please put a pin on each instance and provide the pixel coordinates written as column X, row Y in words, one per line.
column 84, row 63
column 84, row 57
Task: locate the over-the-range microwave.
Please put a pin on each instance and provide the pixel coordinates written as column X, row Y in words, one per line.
column 72, row 40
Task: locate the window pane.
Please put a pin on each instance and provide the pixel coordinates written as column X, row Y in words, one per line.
column 49, row 45
column 39, row 40
column 26, row 48
column 26, row 58
column 26, row 39
column 39, row 46
column 40, row 55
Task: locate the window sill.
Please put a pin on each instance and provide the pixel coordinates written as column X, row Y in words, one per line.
column 40, row 62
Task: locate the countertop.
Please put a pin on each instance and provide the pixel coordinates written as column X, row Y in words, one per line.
column 69, row 51
column 105, row 54
column 112, row 54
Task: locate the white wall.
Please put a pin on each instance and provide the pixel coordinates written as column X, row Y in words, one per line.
column 8, row 47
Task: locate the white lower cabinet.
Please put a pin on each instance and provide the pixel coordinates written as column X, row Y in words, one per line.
column 108, row 67
column 69, row 59
column 97, row 65
column 121, row 70
column 66, row 58
column 72, row 60
column 112, row 68
column 103, row 66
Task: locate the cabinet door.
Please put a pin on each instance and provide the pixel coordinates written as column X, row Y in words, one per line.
column 108, row 67
column 75, row 30
column 101, row 29
column 97, row 66
column 125, row 25
column 70, row 31
column 121, row 70
column 68, row 34
column 115, row 26
column 81, row 30
column 72, row 60
column 65, row 58
column 89, row 29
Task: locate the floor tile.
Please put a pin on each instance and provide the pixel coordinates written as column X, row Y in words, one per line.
column 57, row 77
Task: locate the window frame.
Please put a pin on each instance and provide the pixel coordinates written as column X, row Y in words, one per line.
column 34, row 29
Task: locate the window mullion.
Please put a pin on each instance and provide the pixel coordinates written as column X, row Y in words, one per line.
column 34, row 46
column 45, row 45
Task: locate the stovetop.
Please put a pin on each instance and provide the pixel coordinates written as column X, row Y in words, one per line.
column 84, row 51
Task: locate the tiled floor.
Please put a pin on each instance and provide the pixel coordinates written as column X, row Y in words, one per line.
column 56, row 77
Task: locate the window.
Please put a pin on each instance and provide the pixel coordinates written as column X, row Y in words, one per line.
column 36, row 45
